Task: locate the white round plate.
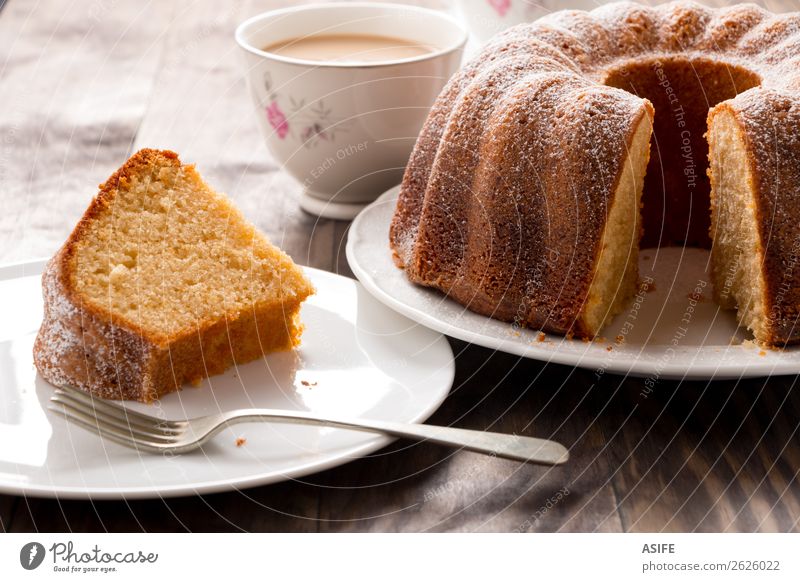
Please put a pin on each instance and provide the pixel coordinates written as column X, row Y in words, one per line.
column 674, row 331
column 357, row 359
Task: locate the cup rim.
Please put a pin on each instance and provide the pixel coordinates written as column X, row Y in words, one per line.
column 240, row 40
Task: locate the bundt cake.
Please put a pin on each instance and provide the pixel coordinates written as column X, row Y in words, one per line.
column 522, row 196
column 162, row 282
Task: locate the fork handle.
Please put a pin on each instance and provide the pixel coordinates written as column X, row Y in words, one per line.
column 506, row 446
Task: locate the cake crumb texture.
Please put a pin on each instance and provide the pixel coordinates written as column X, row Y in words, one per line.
column 163, row 282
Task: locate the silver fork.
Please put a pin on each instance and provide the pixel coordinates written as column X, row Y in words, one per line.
column 155, row 435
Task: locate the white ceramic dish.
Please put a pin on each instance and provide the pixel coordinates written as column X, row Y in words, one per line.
column 675, row 331
column 357, row 359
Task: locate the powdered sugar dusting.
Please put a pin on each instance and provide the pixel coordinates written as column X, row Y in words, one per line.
column 74, row 348
column 56, row 339
column 533, row 104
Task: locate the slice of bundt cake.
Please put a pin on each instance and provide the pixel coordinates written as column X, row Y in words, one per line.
column 163, row 282
column 754, row 149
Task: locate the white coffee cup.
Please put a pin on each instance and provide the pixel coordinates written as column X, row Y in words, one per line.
column 346, row 130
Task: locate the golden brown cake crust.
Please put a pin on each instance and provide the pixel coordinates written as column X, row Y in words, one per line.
column 87, row 346
column 78, row 345
column 503, row 201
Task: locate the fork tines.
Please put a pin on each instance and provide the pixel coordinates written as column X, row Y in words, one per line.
column 115, row 422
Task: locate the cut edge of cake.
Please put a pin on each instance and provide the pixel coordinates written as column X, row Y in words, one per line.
column 737, row 252
column 615, row 277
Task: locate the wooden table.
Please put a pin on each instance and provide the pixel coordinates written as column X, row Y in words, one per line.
column 85, row 84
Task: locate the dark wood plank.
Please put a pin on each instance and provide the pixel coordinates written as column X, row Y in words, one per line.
column 699, row 456
column 283, row 507
column 338, row 257
column 425, row 488
column 8, row 504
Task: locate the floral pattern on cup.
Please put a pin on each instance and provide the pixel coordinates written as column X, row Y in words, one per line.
column 277, row 119
column 314, row 123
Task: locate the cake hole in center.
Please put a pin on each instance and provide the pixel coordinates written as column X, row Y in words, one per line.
column 676, row 188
